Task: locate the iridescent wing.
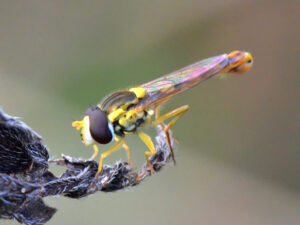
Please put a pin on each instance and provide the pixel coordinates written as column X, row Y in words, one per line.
column 117, row 99
column 163, row 88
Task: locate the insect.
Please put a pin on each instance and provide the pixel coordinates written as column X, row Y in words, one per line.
column 124, row 112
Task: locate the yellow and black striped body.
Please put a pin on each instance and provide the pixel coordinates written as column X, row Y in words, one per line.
column 120, row 110
column 123, row 112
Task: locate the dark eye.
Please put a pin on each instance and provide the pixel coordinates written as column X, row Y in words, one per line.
column 99, row 125
column 90, row 110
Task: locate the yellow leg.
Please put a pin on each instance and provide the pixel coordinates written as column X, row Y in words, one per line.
column 176, row 113
column 127, row 149
column 147, row 140
column 95, row 147
column 157, row 115
column 114, row 148
column 157, row 112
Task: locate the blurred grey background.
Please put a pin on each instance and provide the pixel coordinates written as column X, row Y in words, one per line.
column 238, row 157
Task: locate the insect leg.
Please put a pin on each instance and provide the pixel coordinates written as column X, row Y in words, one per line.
column 157, row 115
column 95, row 147
column 147, row 140
column 114, row 148
column 176, row 113
column 157, row 112
column 125, row 146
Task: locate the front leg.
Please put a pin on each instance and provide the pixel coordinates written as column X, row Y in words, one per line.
column 114, row 148
column 95, row 147
column 127, row 149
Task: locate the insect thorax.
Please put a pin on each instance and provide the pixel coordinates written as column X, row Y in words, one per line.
column 129, row 121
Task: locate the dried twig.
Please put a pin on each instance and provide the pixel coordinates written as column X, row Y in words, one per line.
column 25, row 178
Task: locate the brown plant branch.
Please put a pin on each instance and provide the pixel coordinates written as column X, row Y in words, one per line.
column 25, row 177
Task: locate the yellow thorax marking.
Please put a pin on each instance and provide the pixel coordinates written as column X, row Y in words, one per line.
column 138, row 91
column 115, row 114
column 123, row 121
column 128, row 117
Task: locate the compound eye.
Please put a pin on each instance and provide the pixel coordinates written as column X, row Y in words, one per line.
column 90, row 110
column 100, row 128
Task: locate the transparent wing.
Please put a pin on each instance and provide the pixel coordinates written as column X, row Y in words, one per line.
column 117, row 99
column 163, row 88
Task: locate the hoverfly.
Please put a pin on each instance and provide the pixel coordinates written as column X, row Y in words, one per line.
column 124, row 112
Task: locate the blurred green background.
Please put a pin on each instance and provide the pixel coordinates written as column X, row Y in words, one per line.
column 238, row 160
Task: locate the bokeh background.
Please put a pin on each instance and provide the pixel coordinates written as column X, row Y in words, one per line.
column 238, row 160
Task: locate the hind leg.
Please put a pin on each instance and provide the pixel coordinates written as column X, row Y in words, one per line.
column 175, row 115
